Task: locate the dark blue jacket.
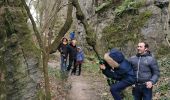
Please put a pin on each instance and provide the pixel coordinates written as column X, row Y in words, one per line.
column 80, row 56
column 123, row 72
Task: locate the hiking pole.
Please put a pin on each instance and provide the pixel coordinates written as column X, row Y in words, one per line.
column 99, row 58
column 110, row 81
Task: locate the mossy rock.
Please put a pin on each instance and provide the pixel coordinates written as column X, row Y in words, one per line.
column 124, row 29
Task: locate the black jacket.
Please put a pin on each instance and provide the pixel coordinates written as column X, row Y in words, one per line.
column 63, row 49
column 72, row 51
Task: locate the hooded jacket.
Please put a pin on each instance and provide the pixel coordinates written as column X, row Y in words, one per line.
column 80, row 55
column 123, row 72
column 145, row 67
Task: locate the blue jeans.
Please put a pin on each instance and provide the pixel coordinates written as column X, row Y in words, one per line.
column 117, row 87
column 63, row 63
column 141, row 92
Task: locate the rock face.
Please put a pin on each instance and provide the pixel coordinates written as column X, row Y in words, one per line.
column 18, row 52
column 155, row 30
column 98, row 21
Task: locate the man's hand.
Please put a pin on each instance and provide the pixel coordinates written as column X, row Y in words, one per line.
column 149, row 84
column 103, row 67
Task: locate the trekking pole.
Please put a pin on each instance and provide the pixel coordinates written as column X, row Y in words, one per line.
column 99, row 58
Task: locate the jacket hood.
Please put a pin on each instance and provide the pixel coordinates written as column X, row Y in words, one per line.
column 144, row 55
column 116, row 55
column 80, row 49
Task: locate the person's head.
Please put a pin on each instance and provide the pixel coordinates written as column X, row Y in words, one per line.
column 142, row 47
column 78, row 49
column 73, row 42
column 114, row 58
column 64, row 40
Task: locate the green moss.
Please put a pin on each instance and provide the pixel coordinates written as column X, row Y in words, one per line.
column 40, row 95
column 129, row 6
column 2, row 90
column 29, row 47
column 124, row 29
column 103, row 6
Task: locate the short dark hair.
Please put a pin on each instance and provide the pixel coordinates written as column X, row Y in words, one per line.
column 146, row 45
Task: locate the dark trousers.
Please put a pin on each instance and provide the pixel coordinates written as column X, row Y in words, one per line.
column 117, row 87
column 78, row 68
column 72, row 62
column 63, row 63
column 141, row 92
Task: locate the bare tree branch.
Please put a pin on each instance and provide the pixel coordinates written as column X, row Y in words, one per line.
column 64, row 29
column 33, row 24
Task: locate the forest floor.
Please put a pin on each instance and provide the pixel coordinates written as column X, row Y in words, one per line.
column 90, row 85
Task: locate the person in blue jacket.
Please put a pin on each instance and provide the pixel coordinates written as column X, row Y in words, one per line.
column 79, row 60
column 115, row 66
column 146, row 70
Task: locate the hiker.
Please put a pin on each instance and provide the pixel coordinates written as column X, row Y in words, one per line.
column 146, row 70
column 79, row 60
column 63, row 49
column 72, row 56
column 116, row 67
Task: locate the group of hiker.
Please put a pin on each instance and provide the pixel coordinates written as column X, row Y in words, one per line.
column 140, row 71
column 72, row 54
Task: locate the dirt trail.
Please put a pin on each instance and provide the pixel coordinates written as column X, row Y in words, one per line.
column 87, row 86
column 81, row 89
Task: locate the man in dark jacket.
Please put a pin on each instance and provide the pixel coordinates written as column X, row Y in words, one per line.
column 63, row 49
column 146, row 70
column 72, row 56
column 119, row 69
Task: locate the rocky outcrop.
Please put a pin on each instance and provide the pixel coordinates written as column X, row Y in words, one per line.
column 155, row 30
column 157, row 27
column 19, row 54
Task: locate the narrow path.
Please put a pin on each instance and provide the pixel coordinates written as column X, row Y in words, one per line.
column 81, row 89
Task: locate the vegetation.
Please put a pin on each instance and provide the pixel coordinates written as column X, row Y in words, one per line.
column 162, row 89
column 103, row 6
column 163, row 51
column 125, row 28
column 131, row 6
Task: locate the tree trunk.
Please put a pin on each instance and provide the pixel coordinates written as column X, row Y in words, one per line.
column 20, row 55
column 90, row 35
